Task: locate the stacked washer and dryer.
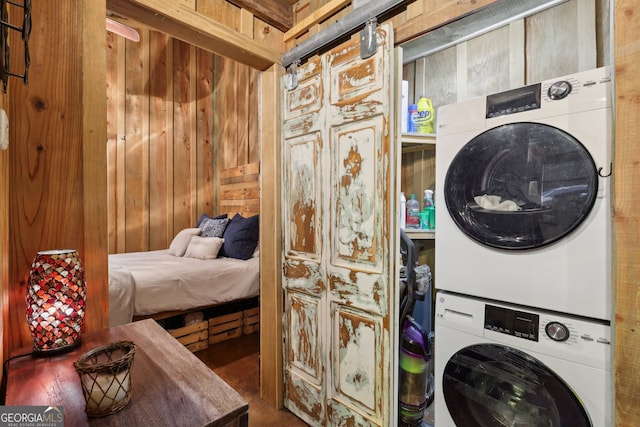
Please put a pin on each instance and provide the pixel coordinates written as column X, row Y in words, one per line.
column 523, row 256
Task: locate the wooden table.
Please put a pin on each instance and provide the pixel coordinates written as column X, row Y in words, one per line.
column 170, row 386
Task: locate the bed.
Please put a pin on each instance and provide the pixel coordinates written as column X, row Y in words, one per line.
column 204, row 266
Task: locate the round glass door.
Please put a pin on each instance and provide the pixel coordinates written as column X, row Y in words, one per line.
column 489, row 385
column 520, row 186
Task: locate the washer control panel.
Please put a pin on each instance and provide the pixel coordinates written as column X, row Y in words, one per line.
column 533, row 326
column 518, row 323
column 533, row 330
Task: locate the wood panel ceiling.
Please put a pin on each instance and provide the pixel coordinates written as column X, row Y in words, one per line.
column 278, row 13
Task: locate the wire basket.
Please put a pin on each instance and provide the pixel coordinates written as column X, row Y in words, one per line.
column 105, row 377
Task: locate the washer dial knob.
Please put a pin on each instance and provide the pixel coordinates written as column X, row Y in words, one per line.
column 559, row 90
column 557, row 331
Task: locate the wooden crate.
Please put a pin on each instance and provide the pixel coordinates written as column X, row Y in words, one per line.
column 225, row 327
column 195, row 337
column 251, row 320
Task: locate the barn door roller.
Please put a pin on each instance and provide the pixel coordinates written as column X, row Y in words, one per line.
column 292, row 76
column 341, row 29
column 368, row 43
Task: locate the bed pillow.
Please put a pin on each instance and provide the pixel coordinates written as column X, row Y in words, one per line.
column 181, row 241
column 207, row 216
column 212, row 227
column 203, row 247
column 241, row 237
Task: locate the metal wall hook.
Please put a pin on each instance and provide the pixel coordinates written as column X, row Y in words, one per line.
column 607, row 175
column 25, row 32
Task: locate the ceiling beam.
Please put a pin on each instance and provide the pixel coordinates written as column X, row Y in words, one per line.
column 317, row 16
column 183, row 23
column 273, row 12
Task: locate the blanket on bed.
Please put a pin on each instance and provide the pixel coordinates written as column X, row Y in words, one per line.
column 145, row 283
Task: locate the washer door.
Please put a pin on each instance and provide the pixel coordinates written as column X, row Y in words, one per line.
column 489, row 385
column 520, row 186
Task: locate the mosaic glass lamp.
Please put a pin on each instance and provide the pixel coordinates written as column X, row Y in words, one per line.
column 56, row 297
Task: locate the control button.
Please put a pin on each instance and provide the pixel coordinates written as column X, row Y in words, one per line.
column 557, row 331
column 586, row 337
column 559, row 90
column 604, row 341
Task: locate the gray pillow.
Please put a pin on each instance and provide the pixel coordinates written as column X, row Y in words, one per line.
column 211, row 227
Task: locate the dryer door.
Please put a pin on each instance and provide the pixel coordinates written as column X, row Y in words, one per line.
column 520, row 186
column 489, row 385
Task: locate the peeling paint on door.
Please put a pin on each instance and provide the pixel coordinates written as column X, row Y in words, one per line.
column 339, row 247
column 302, row 195
column 356, row 237
column 355, row 358
column 303, row 336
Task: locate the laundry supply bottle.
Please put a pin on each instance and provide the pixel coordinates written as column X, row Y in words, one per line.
column 424, row 213
column 413, row 212
column 425, row 115
column 412, row 118
column 429, row 210
column 403, row 211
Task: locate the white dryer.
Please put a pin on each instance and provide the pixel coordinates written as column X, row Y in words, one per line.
column 504, row 365
column 523, row 195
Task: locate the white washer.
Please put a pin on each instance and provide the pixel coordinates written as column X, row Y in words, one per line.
column 504, row 365
column 523, row 195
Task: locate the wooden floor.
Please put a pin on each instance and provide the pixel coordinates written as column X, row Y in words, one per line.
column 237, row 362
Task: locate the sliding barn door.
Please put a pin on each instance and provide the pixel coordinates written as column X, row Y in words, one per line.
column 340, row 237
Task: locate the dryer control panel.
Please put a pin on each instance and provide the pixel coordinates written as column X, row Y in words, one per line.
column 514, row 101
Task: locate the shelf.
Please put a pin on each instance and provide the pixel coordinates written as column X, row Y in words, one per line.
column 418, row 142
column 419, row 234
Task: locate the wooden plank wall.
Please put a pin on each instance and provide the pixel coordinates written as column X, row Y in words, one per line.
column 236, row 131
column 242, row 21
column 4, row 239
column 627, row 213
column 57, row 191
column 180, row 122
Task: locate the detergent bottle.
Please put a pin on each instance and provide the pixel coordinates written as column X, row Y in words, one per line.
column 413, row 212
column 425, row 115
column 430, row 211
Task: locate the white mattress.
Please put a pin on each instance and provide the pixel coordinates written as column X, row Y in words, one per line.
column 144, row 283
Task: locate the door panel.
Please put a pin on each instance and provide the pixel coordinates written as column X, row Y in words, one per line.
column 305, row 179
column 340, row 238
column 356, row 335
column 304, row 274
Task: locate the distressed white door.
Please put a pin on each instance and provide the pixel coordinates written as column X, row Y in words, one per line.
column 340, row 237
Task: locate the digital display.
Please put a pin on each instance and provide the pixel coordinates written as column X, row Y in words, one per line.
column 519, row 324
column 514, row 101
